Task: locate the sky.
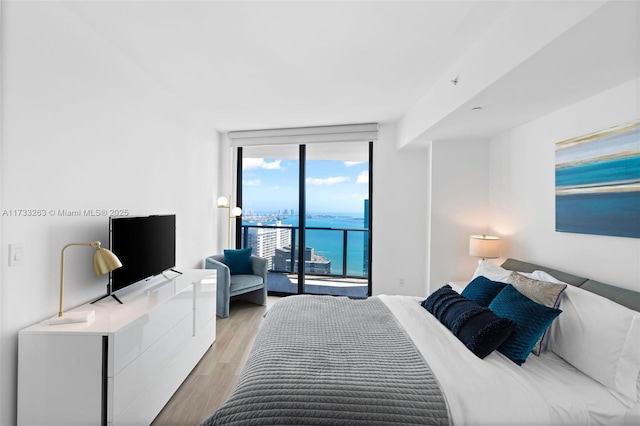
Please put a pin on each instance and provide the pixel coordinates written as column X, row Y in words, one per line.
column 332, row 186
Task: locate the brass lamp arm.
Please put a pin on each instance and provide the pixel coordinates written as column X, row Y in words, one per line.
column 94, row 244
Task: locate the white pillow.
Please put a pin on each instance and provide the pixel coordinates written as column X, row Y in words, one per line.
column 495, row 272
column 600, row 338
column 545, row 276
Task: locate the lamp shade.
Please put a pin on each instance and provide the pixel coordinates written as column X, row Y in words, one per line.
column 484, row 246
column 104, row 261
column 236, row 211
column 223, row 202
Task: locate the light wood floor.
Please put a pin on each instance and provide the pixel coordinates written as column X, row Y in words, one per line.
column 212, row 380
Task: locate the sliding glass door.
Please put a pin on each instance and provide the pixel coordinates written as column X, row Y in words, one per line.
column 337, row 195
column 270, row 201
column 314, row 196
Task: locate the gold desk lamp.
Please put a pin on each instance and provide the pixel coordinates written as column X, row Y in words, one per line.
column 104, row 261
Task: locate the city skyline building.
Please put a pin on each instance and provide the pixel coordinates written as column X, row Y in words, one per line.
column 313, row 263
column 265, row 241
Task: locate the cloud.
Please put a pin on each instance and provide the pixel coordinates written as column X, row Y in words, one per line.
column 254, row 182
column 259, row 163
column 327, row 181
column 352, row 163
column 363, row 177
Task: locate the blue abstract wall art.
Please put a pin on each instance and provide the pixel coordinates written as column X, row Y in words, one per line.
column 598, row 182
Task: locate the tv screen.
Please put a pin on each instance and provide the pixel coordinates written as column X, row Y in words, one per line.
column 146, row 246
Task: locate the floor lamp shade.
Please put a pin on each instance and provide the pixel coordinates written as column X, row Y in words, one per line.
column 104, row 261
column 484, row 246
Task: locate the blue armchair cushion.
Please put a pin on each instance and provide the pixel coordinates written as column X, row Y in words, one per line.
column 244, row 282
column 239, row 261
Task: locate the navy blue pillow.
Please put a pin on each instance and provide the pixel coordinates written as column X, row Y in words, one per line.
column 435, row 297
column 482, row 290
column 238, row 261
column 485, row 332
column 440, row 301
column 479, row 329
column 531, row 318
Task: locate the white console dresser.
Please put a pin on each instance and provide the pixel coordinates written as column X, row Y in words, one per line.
column 123, row 367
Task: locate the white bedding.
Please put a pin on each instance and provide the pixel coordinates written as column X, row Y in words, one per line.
column 544, row 390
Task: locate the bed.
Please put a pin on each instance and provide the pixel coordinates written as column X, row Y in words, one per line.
column 396, row 360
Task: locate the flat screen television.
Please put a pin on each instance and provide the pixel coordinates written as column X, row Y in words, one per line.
column 146, row 246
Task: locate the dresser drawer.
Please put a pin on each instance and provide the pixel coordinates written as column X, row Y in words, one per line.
column 133, row 340
column 206, row 305
column 129, row 383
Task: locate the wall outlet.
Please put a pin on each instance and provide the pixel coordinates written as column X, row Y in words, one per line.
column 401, row 282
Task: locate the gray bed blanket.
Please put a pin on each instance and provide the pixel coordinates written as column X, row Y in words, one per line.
column 322, row 360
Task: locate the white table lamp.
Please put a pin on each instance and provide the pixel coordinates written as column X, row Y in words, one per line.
column 484, row 246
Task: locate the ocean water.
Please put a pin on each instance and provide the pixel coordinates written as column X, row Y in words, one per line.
column 329, row 242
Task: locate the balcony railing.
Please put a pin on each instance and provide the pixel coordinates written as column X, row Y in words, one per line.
column 352, row 260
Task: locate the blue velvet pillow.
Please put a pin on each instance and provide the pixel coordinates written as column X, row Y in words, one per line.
column 238, row 261
column 479, row 329
column 482, row 290
column 531, row 318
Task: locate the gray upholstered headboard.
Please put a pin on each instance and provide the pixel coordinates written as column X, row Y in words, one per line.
column 628, row 298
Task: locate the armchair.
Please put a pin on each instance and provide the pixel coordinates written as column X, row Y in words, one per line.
column 252, row 288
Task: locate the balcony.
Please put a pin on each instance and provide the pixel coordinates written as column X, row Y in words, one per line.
column 336, row 259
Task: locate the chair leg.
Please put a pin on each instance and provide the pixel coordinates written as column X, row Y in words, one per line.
column 222, row 306
column 259, row 297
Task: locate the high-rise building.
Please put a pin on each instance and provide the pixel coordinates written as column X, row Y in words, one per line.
column 265, row 241
column 313, row 263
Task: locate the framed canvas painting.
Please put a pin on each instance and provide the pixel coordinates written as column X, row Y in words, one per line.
column 598, row 182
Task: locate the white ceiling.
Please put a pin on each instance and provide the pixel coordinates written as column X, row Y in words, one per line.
column 600, row 52
column 257, row 65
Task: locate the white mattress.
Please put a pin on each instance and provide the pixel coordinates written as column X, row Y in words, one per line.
column 544, row 390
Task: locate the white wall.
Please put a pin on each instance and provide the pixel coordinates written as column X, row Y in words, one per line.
column 523, row 191
column 400, row 201
column 459, row 207
column 1, row 203
column 426, row 203
column 85, row 128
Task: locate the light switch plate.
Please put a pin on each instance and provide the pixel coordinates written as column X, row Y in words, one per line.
column 16, row 254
